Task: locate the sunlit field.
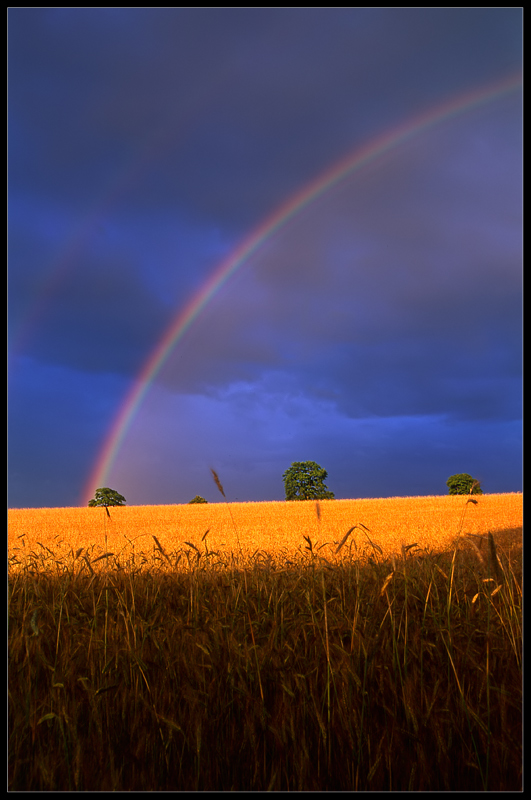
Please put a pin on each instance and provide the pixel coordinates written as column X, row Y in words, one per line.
column 136, row 535
column 343, row 645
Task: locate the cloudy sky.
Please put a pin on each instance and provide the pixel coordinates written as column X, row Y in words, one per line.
column 377, row 331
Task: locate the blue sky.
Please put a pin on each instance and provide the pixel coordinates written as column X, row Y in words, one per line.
column 379, row 332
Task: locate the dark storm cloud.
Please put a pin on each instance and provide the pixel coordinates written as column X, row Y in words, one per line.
column 229, row 93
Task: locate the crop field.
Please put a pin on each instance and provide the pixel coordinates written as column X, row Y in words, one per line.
column 277, row 531
column 343, row 645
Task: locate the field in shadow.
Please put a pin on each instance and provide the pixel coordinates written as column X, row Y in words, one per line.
column 396, row 674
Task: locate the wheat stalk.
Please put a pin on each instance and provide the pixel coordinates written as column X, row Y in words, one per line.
column 220, row 487
column 494, row 557
column 217, row 481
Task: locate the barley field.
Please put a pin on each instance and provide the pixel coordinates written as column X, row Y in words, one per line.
column 369, row 645
column 279, row 531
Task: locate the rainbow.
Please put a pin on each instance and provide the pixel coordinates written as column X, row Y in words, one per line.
column 270, row 226
column 68, row 254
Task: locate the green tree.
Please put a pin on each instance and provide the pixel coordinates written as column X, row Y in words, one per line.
column 107, row 497
column 198, row 499
column 305, row 480
column 463, row 483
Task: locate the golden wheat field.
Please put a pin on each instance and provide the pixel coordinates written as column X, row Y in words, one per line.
column 280, row 530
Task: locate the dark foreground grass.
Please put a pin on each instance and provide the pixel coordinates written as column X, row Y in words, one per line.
column 396, row 675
